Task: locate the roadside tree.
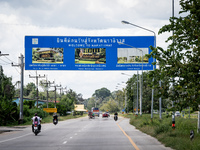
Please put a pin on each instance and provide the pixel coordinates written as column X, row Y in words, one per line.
column 8, row 109
column 180, row 61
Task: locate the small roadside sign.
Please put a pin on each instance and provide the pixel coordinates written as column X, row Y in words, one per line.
column 50, row 110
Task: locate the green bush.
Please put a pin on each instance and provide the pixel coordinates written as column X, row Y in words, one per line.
column 29, row 113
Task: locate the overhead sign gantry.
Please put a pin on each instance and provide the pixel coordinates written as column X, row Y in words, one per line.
column 94, row 53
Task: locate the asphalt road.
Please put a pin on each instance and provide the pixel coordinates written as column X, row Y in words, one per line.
column 81, row 134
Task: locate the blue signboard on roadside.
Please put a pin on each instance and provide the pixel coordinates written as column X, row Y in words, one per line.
column 88, row 52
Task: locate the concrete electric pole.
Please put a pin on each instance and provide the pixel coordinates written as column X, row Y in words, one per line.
column 21, row 65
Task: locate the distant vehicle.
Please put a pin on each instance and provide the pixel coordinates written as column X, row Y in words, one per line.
column 68, row 112
column 115, row 117
column 177, row 113
column 105, row 115
column 155, row 111
column 95, row 110
column 108, row 114
column 55, row 118
column 91, row 115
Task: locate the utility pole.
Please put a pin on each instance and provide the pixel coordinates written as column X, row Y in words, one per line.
column 65, row 89
column 55, row 88
column 47, row 84
column 173, row 113
column 60, row 91
column 160, row 104
column 21, row 65
column 37, row 83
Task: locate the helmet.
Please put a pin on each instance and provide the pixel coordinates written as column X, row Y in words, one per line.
column 35, row 114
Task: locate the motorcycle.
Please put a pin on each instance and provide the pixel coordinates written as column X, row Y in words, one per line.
column 115, row 117
column 91, row 117
column 55, row 121
column 36, row 128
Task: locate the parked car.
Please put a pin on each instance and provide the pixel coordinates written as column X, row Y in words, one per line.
column 177, row 113
column 105, row 115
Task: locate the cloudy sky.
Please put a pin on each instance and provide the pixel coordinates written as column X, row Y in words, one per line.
column 19, row 18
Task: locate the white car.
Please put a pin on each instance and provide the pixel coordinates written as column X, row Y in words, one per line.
column 177, row 113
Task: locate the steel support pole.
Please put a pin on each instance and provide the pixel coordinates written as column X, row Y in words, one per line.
column 141, row 87
column 126, row 22
column 173, row 114
column 160, row 104
column 133, row 98
column 137, row 96
column 21, row 91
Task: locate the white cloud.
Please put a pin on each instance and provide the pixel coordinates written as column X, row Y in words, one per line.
column 128, row 3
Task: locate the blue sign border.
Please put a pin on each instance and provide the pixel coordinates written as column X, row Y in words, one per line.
column 70, row 43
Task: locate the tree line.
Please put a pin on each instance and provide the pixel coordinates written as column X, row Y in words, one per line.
column 9, row 110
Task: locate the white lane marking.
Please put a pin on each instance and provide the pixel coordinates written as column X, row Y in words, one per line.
column 15, row 138
column 70, row 137
column 64, row 142
column 75, row 134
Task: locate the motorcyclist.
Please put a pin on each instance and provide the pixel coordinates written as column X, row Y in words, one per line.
column 116, row 115
column 36, row 117
column 55, row 117
column 90, row 114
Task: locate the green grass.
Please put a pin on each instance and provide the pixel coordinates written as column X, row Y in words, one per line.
column 178, row 139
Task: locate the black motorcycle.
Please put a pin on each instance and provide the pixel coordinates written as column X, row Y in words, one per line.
column 55, row 121
column 115, row 117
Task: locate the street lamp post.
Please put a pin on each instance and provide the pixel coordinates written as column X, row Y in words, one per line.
column 137, row 94
column 133, row 92
column 126, row 22
column 141, row 84
column 118, row 84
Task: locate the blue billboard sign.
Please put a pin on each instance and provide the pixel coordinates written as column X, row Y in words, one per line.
column 88, row 52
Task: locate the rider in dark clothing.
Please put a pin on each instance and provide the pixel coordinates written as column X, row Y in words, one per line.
column 115, row 116
column 55, row 117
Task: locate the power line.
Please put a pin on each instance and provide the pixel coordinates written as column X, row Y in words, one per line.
column 10, row 59
column 17, row 70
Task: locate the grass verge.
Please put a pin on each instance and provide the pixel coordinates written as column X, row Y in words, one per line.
column 178, row 139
